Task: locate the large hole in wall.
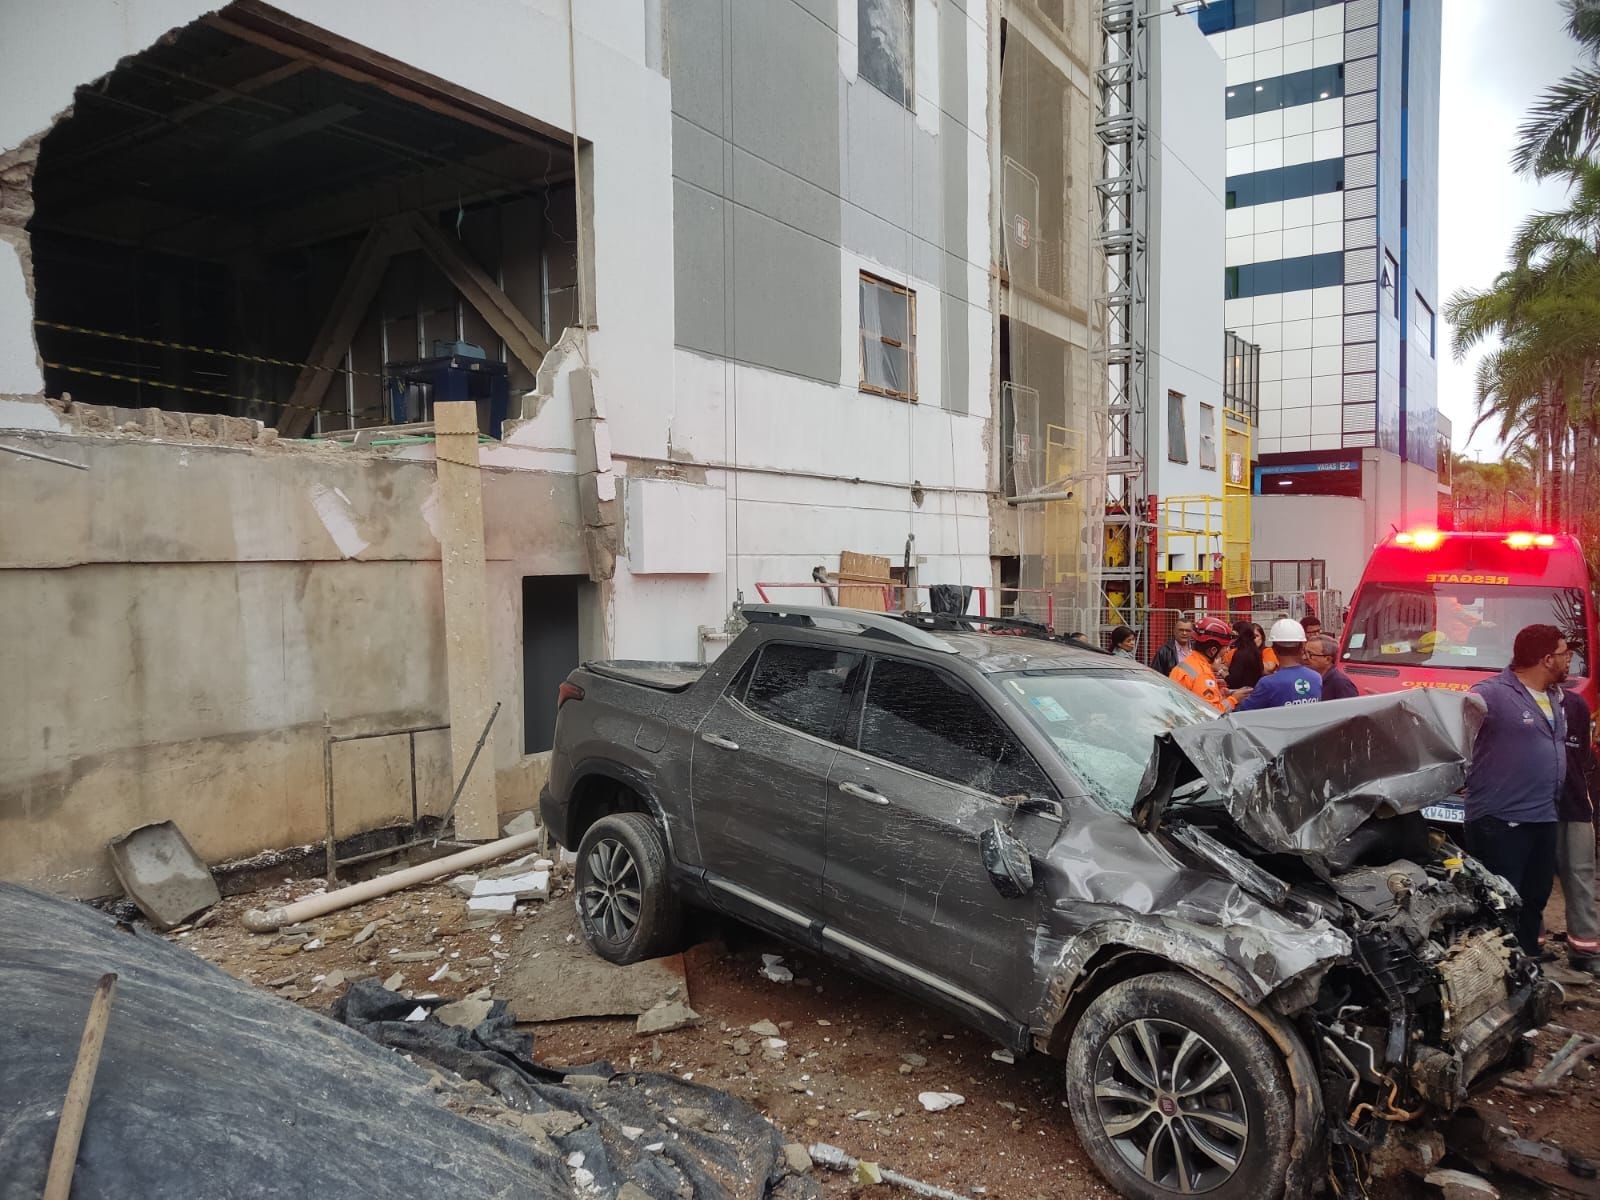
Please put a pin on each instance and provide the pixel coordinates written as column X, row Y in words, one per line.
column 254, row 219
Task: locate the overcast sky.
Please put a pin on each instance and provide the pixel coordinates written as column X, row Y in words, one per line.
column 1498, row 55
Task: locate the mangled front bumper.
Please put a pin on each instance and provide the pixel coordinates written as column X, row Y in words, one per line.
column 1486, row 1047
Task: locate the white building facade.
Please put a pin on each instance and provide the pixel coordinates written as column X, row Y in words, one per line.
column 1331, row 262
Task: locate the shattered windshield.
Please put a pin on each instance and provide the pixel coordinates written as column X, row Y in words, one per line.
column 1463, row 626
column 1105, row 723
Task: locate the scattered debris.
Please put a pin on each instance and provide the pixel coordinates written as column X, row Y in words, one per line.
column 527, row 822
column 1004, row 1055
column 869, row 1173
column 367, row 930
column 496, row 903
column 162, row 874
column 764, row 1029
column 419, row 1013
column 797, row 1158
column 1459, row 1185
column 467, row 1013
column 939, row 1101
column 772, row 968
column 666, row 1017
column 463, row 884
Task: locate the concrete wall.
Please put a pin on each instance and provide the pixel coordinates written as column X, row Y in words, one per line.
column 1187, row 169
column 179, row 617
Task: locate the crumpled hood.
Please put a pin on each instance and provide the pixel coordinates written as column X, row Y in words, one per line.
column 1302, row 778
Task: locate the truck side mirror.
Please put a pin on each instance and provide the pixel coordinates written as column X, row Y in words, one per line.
column 1007, row 860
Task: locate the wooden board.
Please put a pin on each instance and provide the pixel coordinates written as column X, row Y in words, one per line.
column 862, row 580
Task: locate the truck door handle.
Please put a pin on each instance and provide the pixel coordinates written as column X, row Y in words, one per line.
column 863, row 793
column 721, row 743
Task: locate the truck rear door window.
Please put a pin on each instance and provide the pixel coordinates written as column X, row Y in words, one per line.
column 803, row 687
column 918, row 718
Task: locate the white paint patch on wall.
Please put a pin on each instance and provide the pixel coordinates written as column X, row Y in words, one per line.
column 430, row 512
column 19, row 363
column 29, row 414
column 674, row 528
column 338, row 518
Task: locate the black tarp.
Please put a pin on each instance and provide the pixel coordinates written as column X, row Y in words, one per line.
column 208, row 1087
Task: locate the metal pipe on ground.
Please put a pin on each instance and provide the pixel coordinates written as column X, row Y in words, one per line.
column 266, row 920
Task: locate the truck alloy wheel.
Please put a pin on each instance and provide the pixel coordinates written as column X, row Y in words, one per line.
column 610, row 897
column 626, row 906
column 1175, row 1092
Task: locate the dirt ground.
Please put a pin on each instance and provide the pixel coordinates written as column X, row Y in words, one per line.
column 854, row 1057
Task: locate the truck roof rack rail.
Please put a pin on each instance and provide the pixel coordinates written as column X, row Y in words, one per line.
column 977, row 623
column 888, row 626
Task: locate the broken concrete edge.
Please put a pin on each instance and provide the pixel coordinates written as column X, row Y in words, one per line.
column 162, row 874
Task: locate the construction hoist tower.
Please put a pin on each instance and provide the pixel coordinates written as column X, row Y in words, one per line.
column 1123, row 192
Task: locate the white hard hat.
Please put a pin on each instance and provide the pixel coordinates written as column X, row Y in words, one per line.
column 1287, row 631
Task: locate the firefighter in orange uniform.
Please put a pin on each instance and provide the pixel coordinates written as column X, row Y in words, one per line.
column 1197, row 670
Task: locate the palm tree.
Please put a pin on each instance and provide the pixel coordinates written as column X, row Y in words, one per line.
column 1565, row 122
column 1539, row 384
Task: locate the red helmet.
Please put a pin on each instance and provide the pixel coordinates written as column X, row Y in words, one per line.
column 1211, row 631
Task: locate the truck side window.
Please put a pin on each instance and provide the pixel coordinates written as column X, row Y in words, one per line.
column 920, row 719
column 803, row 687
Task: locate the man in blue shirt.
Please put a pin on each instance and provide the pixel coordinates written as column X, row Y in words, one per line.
column 1519, row 764
column 1293, row 682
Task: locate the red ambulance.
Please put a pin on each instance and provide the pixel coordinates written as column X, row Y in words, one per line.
column 1440, row 609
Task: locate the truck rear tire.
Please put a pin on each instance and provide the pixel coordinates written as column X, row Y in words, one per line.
column 626, row 906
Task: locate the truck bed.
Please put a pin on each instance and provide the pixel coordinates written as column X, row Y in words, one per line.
column 661, row 676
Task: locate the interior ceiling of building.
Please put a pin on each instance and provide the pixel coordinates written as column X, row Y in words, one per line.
column 225, row 137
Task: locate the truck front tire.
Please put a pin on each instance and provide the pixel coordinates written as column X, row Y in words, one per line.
column 626, row 906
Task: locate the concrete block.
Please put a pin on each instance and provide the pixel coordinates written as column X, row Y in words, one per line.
column 162, row 874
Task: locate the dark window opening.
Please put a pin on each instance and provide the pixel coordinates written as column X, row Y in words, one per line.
column 549, row 652
column 1177, row 429
column 918, row 718
column 803, row 687
column 1285, row 275
column 220, row 226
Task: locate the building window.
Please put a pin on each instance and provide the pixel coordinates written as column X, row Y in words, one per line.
column 1285, row 91
column 888, row 338
column 1208, row 437
column 1177, row 431
column 1423, row 323
column 884, row 41
column 1390, row 280
column 1284, row 275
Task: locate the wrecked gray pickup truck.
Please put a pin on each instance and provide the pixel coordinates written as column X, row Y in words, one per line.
column 1255, row 958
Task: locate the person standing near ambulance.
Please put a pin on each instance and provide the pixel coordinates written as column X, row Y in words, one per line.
column 1197, row 670
column 1293, row 682
column 1517, row 772
column 1575, row 839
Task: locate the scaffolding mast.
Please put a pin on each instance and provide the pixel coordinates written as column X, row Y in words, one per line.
column 1123, row 192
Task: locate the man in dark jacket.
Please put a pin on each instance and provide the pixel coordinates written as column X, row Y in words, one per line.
column 1575, row 839
column 1322, row 654
column 1519, row 763
column 1176, row 647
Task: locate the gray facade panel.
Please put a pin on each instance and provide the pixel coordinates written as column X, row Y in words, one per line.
column 785, row 90
column 698, row 231
column 696, row 155
column 826, row 11
column 952, row 60
column 953, row 142
column 785, row 298
column 872, row 237
column 784, row 197
column 880, row 155
column 695, row 53
column 928, row 197
column 955, row 361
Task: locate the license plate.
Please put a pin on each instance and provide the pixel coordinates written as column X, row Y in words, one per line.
column 1450, row 814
